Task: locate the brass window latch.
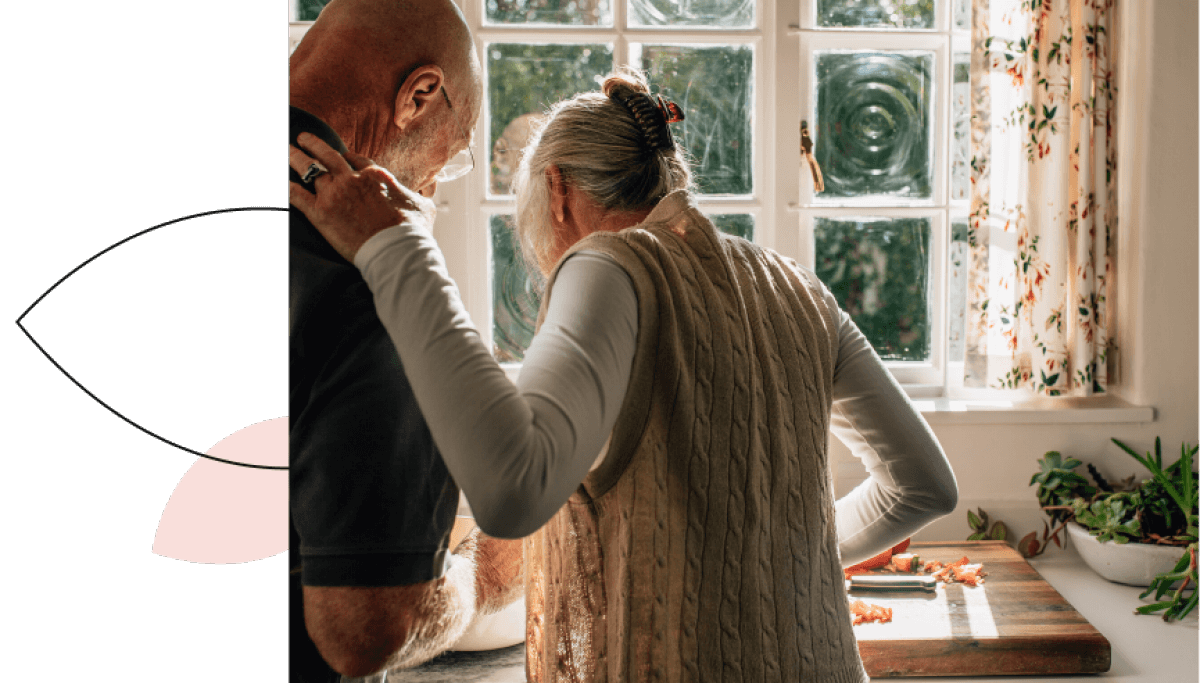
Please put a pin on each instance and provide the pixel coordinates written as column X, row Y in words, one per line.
column 806, row 152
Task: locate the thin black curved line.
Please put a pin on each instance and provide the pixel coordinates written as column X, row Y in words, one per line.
column 148, row 231
column 97, row 398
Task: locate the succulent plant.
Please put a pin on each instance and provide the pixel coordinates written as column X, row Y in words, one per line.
column 1162, row 510
column 1059, row 485
column 1110, row 519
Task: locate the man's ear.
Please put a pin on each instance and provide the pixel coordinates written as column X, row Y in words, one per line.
column 558, row 193
column 417, row 93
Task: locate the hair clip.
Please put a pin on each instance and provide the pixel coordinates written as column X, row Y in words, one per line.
column 652, row 118
column 671, row 112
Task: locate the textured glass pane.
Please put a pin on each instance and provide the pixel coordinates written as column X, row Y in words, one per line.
column 737, row 224
column 878, row 268
column 714, row 13
column 873, row 128
column 959, row 258
column 514, row 300
column 307, row 10
column 960, row 150
column 523, row 81
column 905, row 14
column 563, row 12
column 714, row 85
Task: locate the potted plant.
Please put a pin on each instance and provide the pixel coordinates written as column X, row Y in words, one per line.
column 1140, row 533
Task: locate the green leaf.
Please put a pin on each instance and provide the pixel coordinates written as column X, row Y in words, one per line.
column 977, row 536
column 974, row 521
column 999, row 532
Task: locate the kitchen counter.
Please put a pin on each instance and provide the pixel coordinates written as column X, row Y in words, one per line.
column 1144, row 648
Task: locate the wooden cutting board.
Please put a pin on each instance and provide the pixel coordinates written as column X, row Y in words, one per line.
column 1015, row 623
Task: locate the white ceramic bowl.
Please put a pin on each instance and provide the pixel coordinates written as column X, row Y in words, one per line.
column 502, row 629
column 1135, row 564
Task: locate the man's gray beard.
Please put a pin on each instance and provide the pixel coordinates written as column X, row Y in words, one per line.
column 399, row 161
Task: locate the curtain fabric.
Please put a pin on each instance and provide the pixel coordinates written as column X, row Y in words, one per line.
column 1043, row 215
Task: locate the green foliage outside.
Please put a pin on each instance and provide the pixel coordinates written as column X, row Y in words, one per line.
column 563, row 12
column 878, row 269
column 714, row 86
column 907, row 14
column 528, row 79
column 307, row 10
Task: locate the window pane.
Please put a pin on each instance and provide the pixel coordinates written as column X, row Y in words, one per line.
column 514, row 300
column 523, row 81
column 714, row 13
column 714, row 86
column 962, row 14
column 561, row 12
column 960, row 151
column 904, row 14
column 737, row 224
column 878, row 268
column 873, row 123
column 307, row 10
column 959, row 255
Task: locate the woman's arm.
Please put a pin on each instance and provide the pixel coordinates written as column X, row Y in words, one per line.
column 517, row 452
column 910, row 483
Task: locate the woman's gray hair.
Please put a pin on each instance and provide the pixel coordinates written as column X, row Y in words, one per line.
column 600, row 150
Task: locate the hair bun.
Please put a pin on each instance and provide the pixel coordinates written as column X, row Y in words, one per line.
column 651, row 115
column 624, row 83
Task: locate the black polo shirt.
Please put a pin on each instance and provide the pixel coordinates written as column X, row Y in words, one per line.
column 371, row 502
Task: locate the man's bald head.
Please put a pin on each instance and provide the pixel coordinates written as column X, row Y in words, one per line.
column 365, row 63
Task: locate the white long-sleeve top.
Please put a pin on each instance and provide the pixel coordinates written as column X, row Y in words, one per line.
column 519, row 451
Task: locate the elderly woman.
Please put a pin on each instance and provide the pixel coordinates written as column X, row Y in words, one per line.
column 667, row 439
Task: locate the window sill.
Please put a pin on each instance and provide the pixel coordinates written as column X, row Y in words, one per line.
column 1090, row 410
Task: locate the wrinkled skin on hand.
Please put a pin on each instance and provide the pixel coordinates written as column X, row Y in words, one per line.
column 355, row 200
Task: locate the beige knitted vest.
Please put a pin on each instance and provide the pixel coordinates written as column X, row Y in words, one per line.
column 703, row 548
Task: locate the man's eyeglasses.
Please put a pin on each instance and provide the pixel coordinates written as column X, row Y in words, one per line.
column 463, row 162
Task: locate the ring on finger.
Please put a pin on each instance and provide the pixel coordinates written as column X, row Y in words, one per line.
column 314, row 170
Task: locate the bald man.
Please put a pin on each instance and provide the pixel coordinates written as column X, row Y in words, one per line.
column 374, row 584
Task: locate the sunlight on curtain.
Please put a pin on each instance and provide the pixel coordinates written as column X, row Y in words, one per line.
column 1043, row 220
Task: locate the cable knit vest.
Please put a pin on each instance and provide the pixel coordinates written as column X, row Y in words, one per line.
column 703, row 548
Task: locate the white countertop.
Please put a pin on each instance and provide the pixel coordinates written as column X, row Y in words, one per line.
column 1145, row 649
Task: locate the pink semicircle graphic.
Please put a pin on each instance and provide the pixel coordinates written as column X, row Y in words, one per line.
column 226, row 514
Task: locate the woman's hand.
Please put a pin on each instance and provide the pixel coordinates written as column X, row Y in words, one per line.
column 355, row 199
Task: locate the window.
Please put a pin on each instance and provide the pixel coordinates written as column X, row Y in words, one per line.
column 882, row 85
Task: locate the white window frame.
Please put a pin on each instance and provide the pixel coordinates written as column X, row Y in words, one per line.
column 781, row 201
column 923, row 377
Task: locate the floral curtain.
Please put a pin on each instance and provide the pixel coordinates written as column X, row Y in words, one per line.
column 1043, row 216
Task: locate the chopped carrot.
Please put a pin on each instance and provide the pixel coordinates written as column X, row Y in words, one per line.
column 905, row 562
column 961, row 571
column 861, row 612
column 970, row 574
column 878, row 561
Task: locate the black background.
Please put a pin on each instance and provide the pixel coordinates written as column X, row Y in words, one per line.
column 123, row 119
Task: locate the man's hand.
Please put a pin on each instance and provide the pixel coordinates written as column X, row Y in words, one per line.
column 355, row 199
